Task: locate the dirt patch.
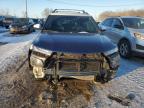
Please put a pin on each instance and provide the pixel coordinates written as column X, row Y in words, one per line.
column 69, row 93
column 16, row 87
column 69, row 89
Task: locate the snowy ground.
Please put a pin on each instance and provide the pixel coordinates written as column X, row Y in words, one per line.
column 3, row 29
column 12, row 43
column 6, row 37
column 18, row 89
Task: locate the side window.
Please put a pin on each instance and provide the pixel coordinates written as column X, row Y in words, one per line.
column 108, row 22
column 117, row 23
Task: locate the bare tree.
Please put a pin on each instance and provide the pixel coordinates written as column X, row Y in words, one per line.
column 46, row 12
column 4, row 12
column 23, row 14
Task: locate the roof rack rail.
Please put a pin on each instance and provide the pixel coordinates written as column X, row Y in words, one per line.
column 69, row 10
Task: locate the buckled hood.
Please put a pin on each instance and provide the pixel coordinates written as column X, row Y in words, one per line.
column 74, row 43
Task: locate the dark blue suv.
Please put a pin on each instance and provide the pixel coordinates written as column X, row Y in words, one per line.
column 70, row 44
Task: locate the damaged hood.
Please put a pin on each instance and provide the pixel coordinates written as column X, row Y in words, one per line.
column 74, row 43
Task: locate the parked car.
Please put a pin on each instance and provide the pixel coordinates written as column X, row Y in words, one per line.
column 22, row 25
column 8, row 21
column 35, row 20
column 1, row 20
column 127, row 33
column 70, row 45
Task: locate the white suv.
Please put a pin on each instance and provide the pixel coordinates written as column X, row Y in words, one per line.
column 126, row 32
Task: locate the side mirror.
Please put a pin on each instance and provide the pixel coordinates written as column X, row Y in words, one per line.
column 37, row 26
column 118, row 26
column 102, row 28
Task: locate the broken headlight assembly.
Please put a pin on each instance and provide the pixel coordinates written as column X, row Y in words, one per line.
column 113, row 58
column 38, row 56
column 36, row 61
column 40, row 50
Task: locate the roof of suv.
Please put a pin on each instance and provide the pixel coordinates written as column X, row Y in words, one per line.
column 69, row 12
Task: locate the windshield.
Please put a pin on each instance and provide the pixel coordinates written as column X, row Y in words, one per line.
column 9, row 19
column 35, row 21
column 21, row 20
column 136, row 23
column 72, row 24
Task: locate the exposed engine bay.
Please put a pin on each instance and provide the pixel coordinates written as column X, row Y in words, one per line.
column 65, row 64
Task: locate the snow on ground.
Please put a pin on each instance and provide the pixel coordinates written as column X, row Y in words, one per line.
column 12, row 56
column 15, row 50
column 129, row 81
column 16, row 38
column 128, row 84
column 3, row 29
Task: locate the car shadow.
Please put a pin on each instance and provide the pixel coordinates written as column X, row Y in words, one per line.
column 129, row 65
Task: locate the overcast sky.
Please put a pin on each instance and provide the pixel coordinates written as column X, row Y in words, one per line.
column 94, row 7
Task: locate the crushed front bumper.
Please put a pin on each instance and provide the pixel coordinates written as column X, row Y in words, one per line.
column 73, row 65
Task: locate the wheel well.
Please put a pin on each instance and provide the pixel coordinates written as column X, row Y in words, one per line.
column 124, row 39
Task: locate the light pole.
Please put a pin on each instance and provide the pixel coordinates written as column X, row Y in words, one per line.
column 26, row 9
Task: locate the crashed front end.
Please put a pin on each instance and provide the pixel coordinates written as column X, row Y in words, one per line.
column 45, row 62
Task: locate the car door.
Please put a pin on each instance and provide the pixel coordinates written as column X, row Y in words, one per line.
column 117, row 30
column 105, row 27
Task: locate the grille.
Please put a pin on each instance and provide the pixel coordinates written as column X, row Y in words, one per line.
column 79, row 64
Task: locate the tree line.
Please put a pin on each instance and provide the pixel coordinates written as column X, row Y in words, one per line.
column 102, row 16
column 139, row 12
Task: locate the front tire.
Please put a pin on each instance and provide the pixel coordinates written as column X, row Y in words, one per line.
column 124, row 48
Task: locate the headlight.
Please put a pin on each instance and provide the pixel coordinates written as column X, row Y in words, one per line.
column 36, row 62
column 114, row 60
column 139, row 36
column 43, row 51
column 111, row 51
